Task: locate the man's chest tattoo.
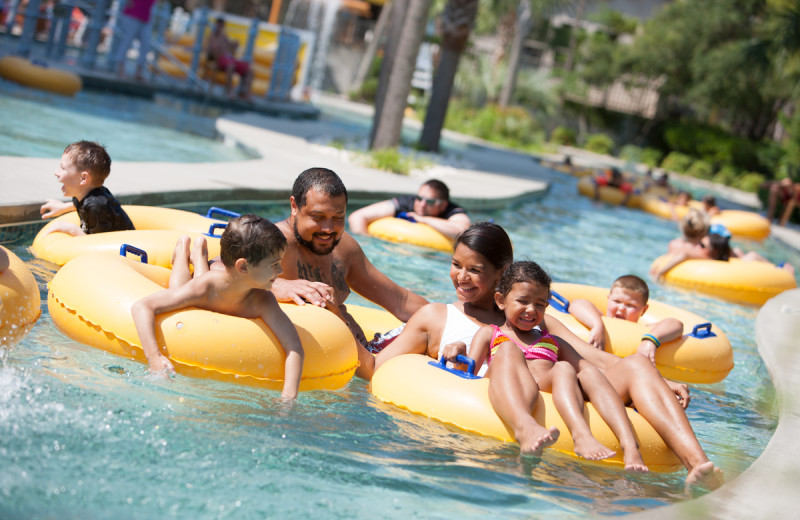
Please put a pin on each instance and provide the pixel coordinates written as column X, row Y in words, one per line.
column 309, row 272
column 338, row 276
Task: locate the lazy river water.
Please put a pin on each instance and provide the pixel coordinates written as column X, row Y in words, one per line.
column 89, row 434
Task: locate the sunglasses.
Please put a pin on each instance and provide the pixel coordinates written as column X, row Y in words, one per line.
column 428, row 202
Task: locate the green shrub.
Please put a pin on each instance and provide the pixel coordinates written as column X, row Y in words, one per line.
column 750, row 181
column 563, row 136
column 701, row 169
column 392, row 160
column 507, row 125
column 599, row 143
column 651, row 157
column 631, row 153
column 726, row 175
column 676, row 162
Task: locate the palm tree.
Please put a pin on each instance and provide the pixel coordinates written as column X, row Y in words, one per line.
column 388, row 124
column 523, row 27
column 457, row 21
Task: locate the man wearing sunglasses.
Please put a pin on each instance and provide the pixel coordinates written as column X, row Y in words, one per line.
column 431, row 205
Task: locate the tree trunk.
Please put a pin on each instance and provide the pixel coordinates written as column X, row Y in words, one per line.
column 389, row 125
column 573, row 35
column 457, row 21
column 524, row 22
column 397, row 16
column 372, row 48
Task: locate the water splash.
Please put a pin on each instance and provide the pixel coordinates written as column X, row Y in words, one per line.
column 320, row 19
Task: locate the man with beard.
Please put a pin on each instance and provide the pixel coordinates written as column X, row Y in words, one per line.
column 323, row 263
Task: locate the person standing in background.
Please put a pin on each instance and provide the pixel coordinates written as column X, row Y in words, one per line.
column 133, row 23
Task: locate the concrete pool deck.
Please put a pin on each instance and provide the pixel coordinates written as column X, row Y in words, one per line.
column 765, row 490
column 286, row 148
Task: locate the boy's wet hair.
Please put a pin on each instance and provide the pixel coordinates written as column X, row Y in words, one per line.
column 441, row 189
column 520, row 272
column 631, row 282
column 695, row 224
column 91, row 157
column 490, row 240
column 321, row 179
column 250, row 237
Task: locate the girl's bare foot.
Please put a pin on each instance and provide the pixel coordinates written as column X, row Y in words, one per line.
column 534, row 440
column 633, row 460
column 590, row 448
column 706, row 474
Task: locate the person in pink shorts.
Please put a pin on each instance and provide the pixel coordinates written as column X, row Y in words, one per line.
column 221, row 50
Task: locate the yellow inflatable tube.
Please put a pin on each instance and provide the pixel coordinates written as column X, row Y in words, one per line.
column 22, row 71
column 607, row 194
column 411, row 382
column 702, row 355
column 90, row 299
column 400, row 230
column 157, row 231
column 742, row 224
column 20, row 303
column 373, row 320
column 737, row 280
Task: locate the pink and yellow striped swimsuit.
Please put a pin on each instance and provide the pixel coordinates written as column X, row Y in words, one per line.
column 546, row 348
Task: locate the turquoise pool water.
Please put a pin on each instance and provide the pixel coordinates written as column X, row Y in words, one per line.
column 88, row 434
column 41, row 124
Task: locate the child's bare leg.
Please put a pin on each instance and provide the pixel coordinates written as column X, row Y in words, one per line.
column 637, row 380
column 513, row 394
column 181, row 273
column 568, row 400
column 199, row 256
column 611, row 409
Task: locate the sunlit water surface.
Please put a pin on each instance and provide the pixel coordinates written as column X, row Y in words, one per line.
column 163, row 129
column 87, row 434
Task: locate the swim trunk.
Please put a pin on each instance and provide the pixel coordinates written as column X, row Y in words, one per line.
column 241, row 67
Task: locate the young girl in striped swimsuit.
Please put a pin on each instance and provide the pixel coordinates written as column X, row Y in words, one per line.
column 523, row 294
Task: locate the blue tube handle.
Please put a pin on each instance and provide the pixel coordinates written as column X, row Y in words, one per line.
column 213, row 210
column 124, row 249
column 405, row 216
column 468, row 374
column 702, row 331
column 558, row 302
column 213, row 227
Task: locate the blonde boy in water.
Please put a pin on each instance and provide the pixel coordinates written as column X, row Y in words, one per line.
column 627, row 300
column 251, row 251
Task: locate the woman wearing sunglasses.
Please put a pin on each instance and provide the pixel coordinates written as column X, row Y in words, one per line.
column 431, row 205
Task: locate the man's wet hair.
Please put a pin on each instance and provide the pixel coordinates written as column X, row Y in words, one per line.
column 441, row 189
column 321, row 179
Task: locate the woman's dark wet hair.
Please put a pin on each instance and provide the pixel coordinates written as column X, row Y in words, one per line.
column 720, row 247
column 490, row 240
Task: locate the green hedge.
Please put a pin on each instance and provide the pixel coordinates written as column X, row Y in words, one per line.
column 599, row 143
